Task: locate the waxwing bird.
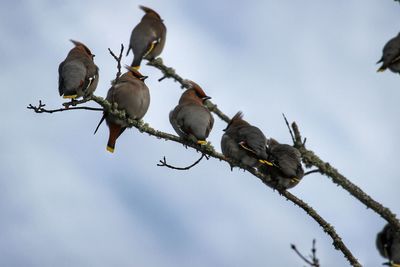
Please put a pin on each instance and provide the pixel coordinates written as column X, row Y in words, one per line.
column 78, row 75
column 147, row 38
column 388, row 245
column 190, row 119
column 391, row 55
column 286, row 169
column 244, row 142
column 131, row 94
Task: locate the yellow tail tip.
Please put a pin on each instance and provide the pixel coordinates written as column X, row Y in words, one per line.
column 110, row 149
column 136, row 67
column 201, row 142
column 70, row 96
column 266, row 162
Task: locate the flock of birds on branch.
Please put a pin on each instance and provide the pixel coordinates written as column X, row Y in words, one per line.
column 191, row 120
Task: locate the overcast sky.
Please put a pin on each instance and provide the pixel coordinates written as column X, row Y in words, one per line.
column 65, row 201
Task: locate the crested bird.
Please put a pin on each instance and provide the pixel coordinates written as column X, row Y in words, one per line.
column 190, row 119
column 388, row 245
column 147, row 38
column 286, row 169
column 244, row 142
column 131, row 94
column 391, row 55
column 78, row 75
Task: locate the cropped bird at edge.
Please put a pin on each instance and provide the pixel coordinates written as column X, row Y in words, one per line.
column 131, row 94
column 244, row 142
column 391, row 55
column 388, row 245
column 190, row 119
column 147, row 38
column 286, row 169
column 78, row 75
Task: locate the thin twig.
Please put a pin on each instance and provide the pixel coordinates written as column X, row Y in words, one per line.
column 290, row 129
column 118, row 59
column 40, row 108
column 310, row 172
column 163, row 163
column 301, row 255
column 314, row 261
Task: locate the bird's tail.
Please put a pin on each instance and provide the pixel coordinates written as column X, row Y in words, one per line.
column 136, row 62
column 115, row 131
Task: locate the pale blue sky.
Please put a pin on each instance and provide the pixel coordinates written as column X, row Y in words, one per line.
column 65, row 201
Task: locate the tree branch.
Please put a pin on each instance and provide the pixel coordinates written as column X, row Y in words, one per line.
column 163, row 163
column 40, row 108
column 210, row 151
column 314, row 260
column 170, row 73
column 311, row 159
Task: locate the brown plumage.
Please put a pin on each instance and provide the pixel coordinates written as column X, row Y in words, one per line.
column 190, row 118
column 148, row 37
column 78, row 75
column 131, row 94
column 244, row 142
column 286, row 169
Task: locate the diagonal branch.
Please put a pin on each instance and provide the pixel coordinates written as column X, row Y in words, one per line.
column 210, row 151
column 311, row 159
column 170, row 73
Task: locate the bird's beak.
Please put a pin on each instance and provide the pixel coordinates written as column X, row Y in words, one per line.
column 144, row 78
column 206, row 98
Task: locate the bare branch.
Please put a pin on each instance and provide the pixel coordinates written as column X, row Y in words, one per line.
column 40, row 108
column 311, row 159
column 163, row 163
column 310, row 172
column 313, row 262
column 118, row 59
column 170, row 73
column 290, row 129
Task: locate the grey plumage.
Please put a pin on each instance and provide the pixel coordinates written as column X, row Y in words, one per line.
column 148, row 37
column 388, row 244
column 78, row 75
column 287, row 170
column 131, row 94
column 190, row 118
column 244, row 142
column 391, row 55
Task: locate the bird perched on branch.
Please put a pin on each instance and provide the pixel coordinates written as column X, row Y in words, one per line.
column 190, row 119
column 391, row 55
column 388, row 245
column 131, row 94
column 147, row 38
column 244, row 142
column 78, row 75
column 286, row 169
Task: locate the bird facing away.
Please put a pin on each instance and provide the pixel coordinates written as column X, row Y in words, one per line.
column 78, row 75
column 131, row 94
column 147, row 38
column 244, row 142
column 190, row 119
column 388, row 245
column 286, row 169
column 391, row 55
